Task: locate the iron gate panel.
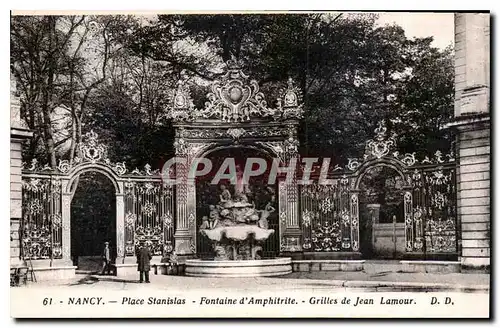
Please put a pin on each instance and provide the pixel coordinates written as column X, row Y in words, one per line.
column 432, row 227
column 41, row 224
column 149, row 218
column 329, row 214
column 148, row 203
column 328, row 223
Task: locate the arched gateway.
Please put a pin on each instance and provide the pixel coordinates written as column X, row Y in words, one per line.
column 236, row 116
column 336, row 219
column 144, row 209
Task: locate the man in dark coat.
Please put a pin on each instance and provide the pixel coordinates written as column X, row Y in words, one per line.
column 143, row 262
column 106, row 259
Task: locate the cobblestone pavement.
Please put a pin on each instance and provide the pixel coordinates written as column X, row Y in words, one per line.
column 296, row 280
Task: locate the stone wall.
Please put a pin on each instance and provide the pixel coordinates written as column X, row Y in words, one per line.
column 15, row 198
column 18, row 133
column 472, row 123
column 473, row 201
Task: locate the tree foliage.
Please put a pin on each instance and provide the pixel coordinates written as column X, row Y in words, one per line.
column 352, row 71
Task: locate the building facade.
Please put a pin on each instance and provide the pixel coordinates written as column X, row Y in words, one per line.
column 472, row 124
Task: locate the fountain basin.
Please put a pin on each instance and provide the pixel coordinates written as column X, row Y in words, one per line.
column 238, row 233
column 245, row 268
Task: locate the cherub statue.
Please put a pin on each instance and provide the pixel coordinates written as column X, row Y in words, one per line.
column 213, row 222
column 264, row 214
column 204, row 223
column 226, row 217
column 241, row 197
column 214, row 212
column 241, row 186
column 225, row 196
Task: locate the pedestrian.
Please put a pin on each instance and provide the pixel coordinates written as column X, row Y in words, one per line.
column 106, row 259
column 143, row 263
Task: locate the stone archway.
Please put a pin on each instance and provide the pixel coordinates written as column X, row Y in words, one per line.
column 381, row 212
column 93, row 219
column 262, row 193
column 232, row 120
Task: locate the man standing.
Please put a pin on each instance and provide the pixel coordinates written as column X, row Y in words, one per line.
column 106, row 259
column 143, row 263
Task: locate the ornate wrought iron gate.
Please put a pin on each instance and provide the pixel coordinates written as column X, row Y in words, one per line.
column 41, row 227
column 149, row 216
column 330, row 213
column 145, row 206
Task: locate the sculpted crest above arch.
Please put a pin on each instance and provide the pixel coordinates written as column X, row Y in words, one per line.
column 236, row 113
column 234, row 97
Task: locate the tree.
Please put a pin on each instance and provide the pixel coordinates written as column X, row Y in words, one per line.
column 353, row 74
column 38, row 48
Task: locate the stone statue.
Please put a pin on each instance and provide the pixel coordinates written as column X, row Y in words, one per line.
column 225, row 195
column 204, row 223
column 234, row 226
column 264, row 214
column 241, row 188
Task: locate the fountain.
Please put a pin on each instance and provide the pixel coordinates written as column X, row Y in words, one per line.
column 236, row 115
column 236, row 230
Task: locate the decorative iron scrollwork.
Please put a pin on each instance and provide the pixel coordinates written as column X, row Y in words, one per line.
column 236, row 133
column 327, row 237
column 150, row 236
column 41, row 224
column 235, row 98
column 327, row 222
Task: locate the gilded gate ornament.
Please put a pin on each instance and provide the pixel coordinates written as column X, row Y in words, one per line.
column 236, row 133
column 234, row 97
column 381, row 145
column 46, row 211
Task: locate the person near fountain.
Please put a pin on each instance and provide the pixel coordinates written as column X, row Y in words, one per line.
column 143, row 262
column 106, row 259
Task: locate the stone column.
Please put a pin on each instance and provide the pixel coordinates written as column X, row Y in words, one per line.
column 18, row 133
column 15, row 200
column 472, row 123
column 289, row 205
column 185, row 212
column 66, row 225
column 120, row 228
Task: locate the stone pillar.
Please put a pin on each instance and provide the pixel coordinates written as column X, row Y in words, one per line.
column 185, row 213
column 472, row 63
column 18, row 134
column 472, row 123
column 66, row 225
column 15, row 200
column 120, row 228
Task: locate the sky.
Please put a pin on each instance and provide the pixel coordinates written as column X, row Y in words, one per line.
column 438, row 25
